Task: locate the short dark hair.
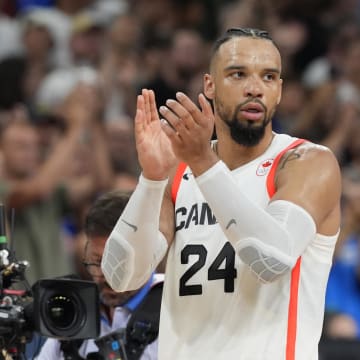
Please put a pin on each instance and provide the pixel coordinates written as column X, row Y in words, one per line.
column 241, row 32
column 104, row 213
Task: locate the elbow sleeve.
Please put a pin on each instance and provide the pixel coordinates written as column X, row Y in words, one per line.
column 136, row 246
column 272, row 257
column 123, row 268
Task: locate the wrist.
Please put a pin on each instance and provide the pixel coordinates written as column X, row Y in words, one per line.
column 198, row 167
column 209, row 172
column 151, row 181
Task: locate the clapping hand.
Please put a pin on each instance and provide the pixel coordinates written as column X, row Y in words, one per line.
column 155, row 153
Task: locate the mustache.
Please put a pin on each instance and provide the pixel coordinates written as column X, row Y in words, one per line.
column 251, row 100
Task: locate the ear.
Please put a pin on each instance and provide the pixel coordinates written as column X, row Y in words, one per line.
column 280, row 92
column 209, row 87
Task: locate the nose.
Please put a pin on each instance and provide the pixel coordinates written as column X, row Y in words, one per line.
column 253, row 87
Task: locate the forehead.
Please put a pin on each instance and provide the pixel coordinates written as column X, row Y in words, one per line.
column 244, row 51
column 19, row 132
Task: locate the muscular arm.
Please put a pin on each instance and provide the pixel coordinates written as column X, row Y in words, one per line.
column 306, row 201
column 309, row 176
column 136, row 245
column 140, row 238
column 167, row 215
column 167, row 222
column 271, row 239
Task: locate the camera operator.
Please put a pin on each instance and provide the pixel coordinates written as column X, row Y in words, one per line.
column 117, row 309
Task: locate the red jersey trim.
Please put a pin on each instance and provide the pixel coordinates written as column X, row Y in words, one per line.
column 292, row 313
column 177, row 180
column 295, row 273
column 270, row 181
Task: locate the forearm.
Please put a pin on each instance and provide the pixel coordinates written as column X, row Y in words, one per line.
column 25, row 191
column 58, row 161
column 102, row 170
column 280, row 232
column 136, row 246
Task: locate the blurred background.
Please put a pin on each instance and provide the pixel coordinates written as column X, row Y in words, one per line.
column 70, row 71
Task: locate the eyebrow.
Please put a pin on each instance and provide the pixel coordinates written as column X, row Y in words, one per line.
column 235, row 67
column 273, row 70
column 240, row 67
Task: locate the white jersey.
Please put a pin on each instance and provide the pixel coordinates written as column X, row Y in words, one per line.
column 213, row 307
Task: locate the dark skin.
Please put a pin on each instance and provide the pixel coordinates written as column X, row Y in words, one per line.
column 243, row 68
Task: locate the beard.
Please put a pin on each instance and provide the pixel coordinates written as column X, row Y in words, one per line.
column 246, row 133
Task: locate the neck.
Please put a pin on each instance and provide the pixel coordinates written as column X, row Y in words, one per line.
column 235, row 155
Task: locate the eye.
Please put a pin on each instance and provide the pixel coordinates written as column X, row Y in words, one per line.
column 269, row 77
column 238, row 74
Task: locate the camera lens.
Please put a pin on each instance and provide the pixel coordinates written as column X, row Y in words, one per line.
column 61, row 311
column 66, row 308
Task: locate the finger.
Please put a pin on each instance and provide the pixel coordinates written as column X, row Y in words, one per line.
column 190, row 106
column 206, row 107
column 173, row 136
column 139, row 123
column 147, row 110
column 140, row 110
column 173, row 120
column 153, row 107
column 140, row 103
column 182, row 114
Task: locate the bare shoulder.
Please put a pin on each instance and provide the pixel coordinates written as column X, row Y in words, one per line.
column 308, row 153
column 313, row 160
column 309, row 175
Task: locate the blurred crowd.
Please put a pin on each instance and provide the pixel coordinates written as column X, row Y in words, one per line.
column 70, row 71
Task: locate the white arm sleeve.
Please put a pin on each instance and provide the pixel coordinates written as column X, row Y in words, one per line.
column 269, row 240
column 136, row 246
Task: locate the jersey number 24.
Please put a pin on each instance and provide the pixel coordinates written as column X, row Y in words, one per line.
column 227, row 272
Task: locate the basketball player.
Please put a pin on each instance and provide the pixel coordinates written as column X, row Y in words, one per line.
column 249, row 220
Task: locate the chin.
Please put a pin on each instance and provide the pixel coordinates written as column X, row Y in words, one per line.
column 249, row 137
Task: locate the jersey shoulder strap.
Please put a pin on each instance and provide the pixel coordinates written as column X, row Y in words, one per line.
column 270, row 181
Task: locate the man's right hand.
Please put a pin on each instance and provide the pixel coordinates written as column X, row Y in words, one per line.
column 155, row 153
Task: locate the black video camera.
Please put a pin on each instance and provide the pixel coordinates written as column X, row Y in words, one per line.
column 63, row 308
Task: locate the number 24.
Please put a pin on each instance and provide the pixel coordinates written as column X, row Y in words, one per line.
column 228, row 273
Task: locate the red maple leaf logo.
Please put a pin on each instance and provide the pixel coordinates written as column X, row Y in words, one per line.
column 267, row 163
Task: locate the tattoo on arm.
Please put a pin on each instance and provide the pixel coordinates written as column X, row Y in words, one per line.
column 292, row 155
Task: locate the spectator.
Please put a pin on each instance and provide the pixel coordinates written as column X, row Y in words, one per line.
column 10, row 43
column 120, row 68
column 38, row 41
column 116, row 308
column 186, row 59
column 41, row 192
column 87, row 38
